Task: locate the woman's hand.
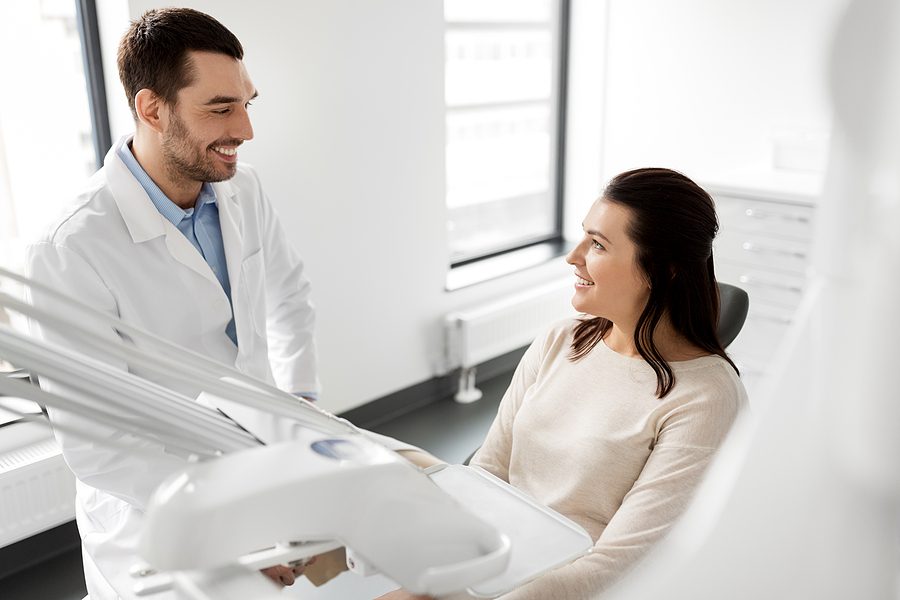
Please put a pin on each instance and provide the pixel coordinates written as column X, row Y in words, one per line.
column 327, row 566
column 402, row 595
column 420, row 458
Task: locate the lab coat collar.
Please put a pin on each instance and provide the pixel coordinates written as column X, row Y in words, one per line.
column 144, row 221
column 141, row 218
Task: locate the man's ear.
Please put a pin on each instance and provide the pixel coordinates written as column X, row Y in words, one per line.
column 151, row 110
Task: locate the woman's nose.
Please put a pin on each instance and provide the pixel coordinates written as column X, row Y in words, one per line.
column 574, row 257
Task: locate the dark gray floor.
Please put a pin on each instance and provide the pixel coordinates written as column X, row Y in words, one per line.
column 448, row 430
column 59, row 578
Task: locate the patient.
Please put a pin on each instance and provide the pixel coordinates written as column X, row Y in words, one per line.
column 611, row 419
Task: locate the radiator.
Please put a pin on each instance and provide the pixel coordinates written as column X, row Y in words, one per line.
column 37, row 490
column 481, row 333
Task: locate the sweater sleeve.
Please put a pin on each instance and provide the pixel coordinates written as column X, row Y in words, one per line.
column 494, row 454
column 685, row 445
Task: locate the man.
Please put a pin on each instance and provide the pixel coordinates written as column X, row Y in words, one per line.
column 174, row 236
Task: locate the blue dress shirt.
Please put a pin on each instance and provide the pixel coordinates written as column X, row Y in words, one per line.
column 200, row 224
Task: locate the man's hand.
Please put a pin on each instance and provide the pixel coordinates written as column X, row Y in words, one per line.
column 282, row 575
column 285, row 575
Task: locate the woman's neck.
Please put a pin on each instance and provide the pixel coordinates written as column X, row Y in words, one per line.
column 621, row 341
column 672, row 346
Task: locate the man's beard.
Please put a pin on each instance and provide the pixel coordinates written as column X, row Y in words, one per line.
column 185, row 160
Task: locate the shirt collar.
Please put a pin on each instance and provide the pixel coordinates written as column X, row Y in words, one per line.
column 168, row 209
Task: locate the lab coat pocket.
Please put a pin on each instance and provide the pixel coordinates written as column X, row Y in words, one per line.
column 253, row 278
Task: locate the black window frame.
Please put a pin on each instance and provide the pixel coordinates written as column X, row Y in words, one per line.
column 89, row 34
column 555, row 241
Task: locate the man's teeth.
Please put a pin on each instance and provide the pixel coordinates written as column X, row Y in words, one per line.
column 226, row 151
column 581, row 281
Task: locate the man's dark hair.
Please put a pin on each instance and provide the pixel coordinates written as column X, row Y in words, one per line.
column 153, row 53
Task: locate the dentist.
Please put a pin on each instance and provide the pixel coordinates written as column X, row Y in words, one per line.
column 173, row 235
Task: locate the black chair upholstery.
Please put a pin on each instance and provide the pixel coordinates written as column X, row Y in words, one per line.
column 733, row 306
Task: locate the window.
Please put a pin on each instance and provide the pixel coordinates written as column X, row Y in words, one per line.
column 504, row 82
column 53, row 122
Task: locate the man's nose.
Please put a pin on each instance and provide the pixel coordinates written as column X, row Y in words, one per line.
column 241, row 127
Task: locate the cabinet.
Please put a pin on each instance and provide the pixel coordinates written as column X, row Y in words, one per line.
column 764, row 246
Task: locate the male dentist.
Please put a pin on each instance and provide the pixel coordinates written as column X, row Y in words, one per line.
column 173, row 235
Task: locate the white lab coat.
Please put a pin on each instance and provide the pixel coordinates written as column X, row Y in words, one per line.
column 115, row 251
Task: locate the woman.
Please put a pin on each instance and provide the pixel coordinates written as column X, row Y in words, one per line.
column 611, row 419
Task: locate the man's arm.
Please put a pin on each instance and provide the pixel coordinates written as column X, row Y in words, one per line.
column 290, row 315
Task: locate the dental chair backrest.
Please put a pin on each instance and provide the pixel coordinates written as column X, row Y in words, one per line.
column 733, row 306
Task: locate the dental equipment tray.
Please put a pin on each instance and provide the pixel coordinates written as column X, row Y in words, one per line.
column 541, row 538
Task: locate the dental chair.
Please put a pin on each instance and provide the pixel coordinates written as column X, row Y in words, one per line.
column 733, row 306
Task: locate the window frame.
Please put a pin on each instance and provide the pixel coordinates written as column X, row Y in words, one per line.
column 553, row 244
column 89, row 34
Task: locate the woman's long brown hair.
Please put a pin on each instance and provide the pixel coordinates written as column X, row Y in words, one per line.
column 673, row 223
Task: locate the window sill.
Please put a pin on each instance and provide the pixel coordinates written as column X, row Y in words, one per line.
column 504, row 264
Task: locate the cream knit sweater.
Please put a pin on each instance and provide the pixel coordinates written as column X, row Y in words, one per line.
column 591, row 440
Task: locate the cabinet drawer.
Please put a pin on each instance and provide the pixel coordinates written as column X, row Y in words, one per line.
column 763, row 331
column 758, row 216
column 784, row 289
column 762, row 251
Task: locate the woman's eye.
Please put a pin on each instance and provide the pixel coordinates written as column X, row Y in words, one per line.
column 597, row 245
column 248, row 105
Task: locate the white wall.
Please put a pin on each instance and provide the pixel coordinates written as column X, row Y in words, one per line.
column 349, row 143
column 704, row 85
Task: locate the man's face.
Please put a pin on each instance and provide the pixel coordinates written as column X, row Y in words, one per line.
column 209, row 120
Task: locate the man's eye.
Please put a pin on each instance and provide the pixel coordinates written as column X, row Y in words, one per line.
column 248, row 105
column 222, row 111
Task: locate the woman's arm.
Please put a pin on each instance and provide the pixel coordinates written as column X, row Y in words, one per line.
column 495, row 451
column 685, row 445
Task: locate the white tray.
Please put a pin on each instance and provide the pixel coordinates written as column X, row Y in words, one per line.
column 541, row 538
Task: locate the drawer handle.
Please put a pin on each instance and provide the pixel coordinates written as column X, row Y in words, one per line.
column 755, row 213
column 780, row 319
column 796, row 289
column 760, row 249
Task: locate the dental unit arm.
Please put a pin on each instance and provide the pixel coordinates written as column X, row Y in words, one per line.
column 249, row 491
column 324, row 488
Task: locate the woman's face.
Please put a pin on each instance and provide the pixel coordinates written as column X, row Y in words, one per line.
column 608, row 281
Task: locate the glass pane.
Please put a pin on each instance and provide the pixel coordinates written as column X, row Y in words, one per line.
column 501, row 118
column 46, row 149
column 508, row 11
column 486, row 66
column 497, row 153
column 478, row 229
